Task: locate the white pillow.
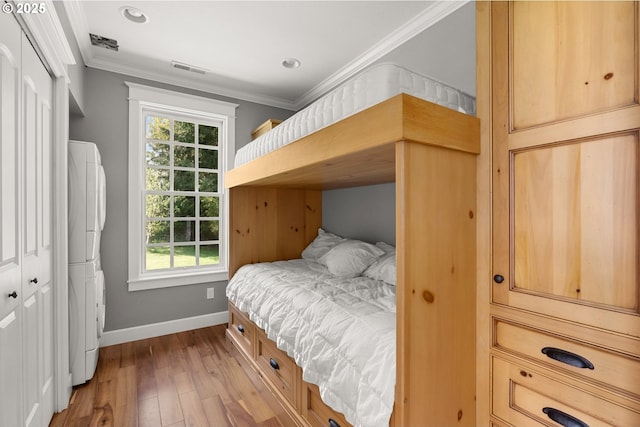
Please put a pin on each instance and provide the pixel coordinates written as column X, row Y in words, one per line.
column 320, row 245
column 350, row 258
column 383, row 269
column 387, row 248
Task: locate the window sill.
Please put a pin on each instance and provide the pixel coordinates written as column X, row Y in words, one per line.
column 171, row 280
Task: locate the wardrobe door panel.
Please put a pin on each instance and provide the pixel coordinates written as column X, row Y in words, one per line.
column 10, row 238
column 571, row 59
column 31, row 170
column 36, row 238
column 31, row 347
column 37, row 140
column 10, row 268
column 10, row 378
column 575, row 221
column 565, row 160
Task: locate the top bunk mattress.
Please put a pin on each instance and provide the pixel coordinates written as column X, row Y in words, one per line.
column 370, row 87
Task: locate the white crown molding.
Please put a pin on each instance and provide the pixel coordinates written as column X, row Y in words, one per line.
column 79, row 27
column 428, row 17
column 170, row 79
column 47, row 35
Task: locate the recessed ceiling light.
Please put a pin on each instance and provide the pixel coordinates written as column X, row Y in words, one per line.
column 134, row 15
column 290, row 63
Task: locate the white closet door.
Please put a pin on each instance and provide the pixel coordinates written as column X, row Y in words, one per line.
column 10, row 369
column 36, row 243
column 26, row 297
column 10, row 267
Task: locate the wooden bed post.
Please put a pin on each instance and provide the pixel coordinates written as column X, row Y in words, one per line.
column 435, row 237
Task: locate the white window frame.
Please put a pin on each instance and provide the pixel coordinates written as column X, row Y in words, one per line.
column 143, row 97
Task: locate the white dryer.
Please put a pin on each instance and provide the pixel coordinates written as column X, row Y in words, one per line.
column 87, row 208
column 86, row 318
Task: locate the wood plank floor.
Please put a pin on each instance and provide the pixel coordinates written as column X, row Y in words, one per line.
column 194, row 378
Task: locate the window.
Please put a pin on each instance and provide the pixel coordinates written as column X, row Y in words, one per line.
column 179, row 149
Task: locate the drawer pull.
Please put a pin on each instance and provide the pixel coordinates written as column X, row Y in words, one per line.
column 567, row 357
column 563, row 419
column 241, row 329
column 274, row 364
column 332, row 423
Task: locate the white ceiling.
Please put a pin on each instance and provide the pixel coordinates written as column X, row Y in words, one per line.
column 241, row 44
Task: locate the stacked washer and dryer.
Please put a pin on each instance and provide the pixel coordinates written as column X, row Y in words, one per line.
column 87, row 209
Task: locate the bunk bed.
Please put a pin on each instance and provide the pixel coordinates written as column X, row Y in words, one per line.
column 429, row 151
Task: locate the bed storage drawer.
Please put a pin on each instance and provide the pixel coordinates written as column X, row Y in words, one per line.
column 569, row 356
column 316, row 411
column 241, row 329
column 277, row 366
column 524, row 397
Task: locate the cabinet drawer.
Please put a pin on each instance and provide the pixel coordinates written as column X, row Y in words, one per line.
column 317, row 412
column 605, row 367
column 276, row 365
column 242, row 329
column 524, row 397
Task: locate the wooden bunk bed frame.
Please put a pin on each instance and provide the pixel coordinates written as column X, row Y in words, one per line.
column 429, row 151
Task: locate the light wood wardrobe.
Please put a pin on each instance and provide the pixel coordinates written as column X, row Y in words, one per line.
column 559, row 324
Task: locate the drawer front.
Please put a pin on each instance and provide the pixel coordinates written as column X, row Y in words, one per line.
column 317, row 412
column 523, row 397
column 242, row 329
column 277, row 366
column 605, row 367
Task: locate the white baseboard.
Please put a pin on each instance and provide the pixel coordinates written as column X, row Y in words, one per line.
column 120, row 336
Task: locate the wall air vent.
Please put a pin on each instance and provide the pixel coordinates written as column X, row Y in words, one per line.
column 104, row 42
column 187, row 67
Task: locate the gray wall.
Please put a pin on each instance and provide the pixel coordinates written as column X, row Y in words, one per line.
column 366, row 213
column 446, row 52
column 106, row 123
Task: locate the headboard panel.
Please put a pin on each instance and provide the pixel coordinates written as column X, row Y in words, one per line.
column 269, row 224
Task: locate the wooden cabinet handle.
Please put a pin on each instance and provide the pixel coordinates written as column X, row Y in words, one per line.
column 274, row 364
column 567, row 357
column 563, row 418
column 498, row 278
column 241, row 329
column 332, row 423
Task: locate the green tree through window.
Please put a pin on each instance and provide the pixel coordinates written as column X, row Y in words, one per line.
column 182, row 202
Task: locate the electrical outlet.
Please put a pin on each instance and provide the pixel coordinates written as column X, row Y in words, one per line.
column 209, row 293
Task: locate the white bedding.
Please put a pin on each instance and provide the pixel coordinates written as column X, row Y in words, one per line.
column 366, row 89
column 341, row 332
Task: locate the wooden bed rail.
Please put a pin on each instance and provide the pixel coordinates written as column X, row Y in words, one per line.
column 359, row 150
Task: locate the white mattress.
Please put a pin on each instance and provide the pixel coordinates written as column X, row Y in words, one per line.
column 341, row 332
column 368, row 88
